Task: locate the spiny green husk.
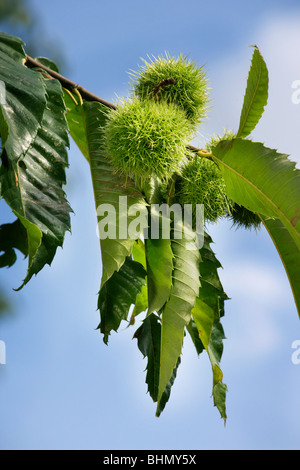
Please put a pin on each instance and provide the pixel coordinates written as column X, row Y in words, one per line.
column 189, row 92
column 216, row 139
column 145, row 138
column 242, row 217
column 202, row 183
column 239, row 215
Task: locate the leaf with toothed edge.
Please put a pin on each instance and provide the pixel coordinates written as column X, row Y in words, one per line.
column 256, row 95
column 122, row 278
column 22, row 98
column 118, row 294
column 113, row 189
column 148, row 338
column 205, row 328
column 262, row 180
column 12, row 236
column 32, row 186
column 176, row 313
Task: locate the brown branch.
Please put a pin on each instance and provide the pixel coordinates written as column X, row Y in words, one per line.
column 68, row 84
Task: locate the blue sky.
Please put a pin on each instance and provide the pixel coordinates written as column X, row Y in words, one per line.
column 62, row 388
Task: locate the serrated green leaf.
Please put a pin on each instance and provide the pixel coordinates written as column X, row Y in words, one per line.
column 176, row 314
column 211, row 335
column 148, row 337
column 215, row 350
column 112, row 189
column 256, row 95
column 211, row 292
column 141, row 303
column 159, row 258
column 118, row 294
column 22, row 98
column 288, row 252
column 32, row 186
column 12, row 236
column 76, row 124
column 261, row 180
column 194, row 334
column 204, row 317
column 206, row 314
column 167, row 391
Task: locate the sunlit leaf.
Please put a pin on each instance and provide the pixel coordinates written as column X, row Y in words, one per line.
column 256, row 95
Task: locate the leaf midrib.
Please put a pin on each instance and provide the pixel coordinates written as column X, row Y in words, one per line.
column 242, row 126
column 265, row 197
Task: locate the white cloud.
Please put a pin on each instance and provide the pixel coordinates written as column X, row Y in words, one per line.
column 278, row 40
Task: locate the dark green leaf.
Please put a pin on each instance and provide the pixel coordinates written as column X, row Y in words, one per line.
column 206, row 314
column 12, row 236
column 32, row 186
column 176, row 314
column 118, row 294
column 194, row 334
column 148, row 339
column 211, row 334
column 22, row 98
column 211, row 291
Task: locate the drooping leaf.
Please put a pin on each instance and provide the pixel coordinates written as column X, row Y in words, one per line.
column 176, row 314
column 167, row 391
column 206, row 315
column 118, row 294
column 32, row 186
column 148, row 337
column 138, row 253
column 22, row 99
column 256, row 95
column 211, row 335
column 194, row 334
column 141, row 302
column 12, row 236
column 76, row 124
column 211, row 292
column 288, row 252
column 113, row 193
column 159, row 258
column 261, row 180
column 215, row 349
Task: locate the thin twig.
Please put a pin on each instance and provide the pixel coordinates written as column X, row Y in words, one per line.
column 68, row 84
